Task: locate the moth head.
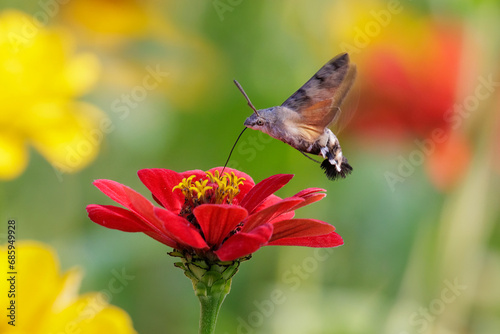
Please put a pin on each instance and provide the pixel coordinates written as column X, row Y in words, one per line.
column 255, row 122
column 263, row 120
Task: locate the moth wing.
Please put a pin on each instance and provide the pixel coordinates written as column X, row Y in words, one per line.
column 315, row 118
column 348, row 107
column 318, row 100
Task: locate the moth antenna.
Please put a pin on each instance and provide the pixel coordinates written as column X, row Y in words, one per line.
column 246, row 97
column 231, row 152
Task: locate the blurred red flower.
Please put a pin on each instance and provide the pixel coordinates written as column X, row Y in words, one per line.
column 214, row 216
column 409, row 78
column 409, row 89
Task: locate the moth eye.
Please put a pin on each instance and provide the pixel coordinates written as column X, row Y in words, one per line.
column 260, row 122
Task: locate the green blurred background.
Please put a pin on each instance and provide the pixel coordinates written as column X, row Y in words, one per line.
column 419, row 214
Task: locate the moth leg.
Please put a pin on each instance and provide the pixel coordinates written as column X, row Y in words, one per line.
column 310, row 157
column 324, row 151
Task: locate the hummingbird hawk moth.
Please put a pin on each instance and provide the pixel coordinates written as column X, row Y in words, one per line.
column 302, row 120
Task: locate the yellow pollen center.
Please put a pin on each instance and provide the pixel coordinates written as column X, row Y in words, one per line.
column 222, row 189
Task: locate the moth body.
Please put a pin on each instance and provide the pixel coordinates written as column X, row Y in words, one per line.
column 302, row 120
column 278, row 122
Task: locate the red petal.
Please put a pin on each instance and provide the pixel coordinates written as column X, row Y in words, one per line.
column 116, row 218
column 271, row 212
column 300, row 228
column 332, row 239
column 270, row 200
column 309, row 199
column 284, row 216
column 179, row 229
column 130, row 199
column 121, row 219
column 304, row 193
column 242, row 244
column 161, row 182
column 198, row 174
column 163, row 239
column 263, row 189
column 308, row 195
column 217, row 220
column 273, row 199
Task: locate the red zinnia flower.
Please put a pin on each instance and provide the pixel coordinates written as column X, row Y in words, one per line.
column 213, row 216
column 218, row 217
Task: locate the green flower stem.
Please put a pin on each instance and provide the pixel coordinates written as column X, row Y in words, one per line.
column 211, row 283
column 210, row 306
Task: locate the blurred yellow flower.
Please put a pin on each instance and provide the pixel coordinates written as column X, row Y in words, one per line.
column 126, row 18
column 40, row 78
column 46, row 302
column 118, row 26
